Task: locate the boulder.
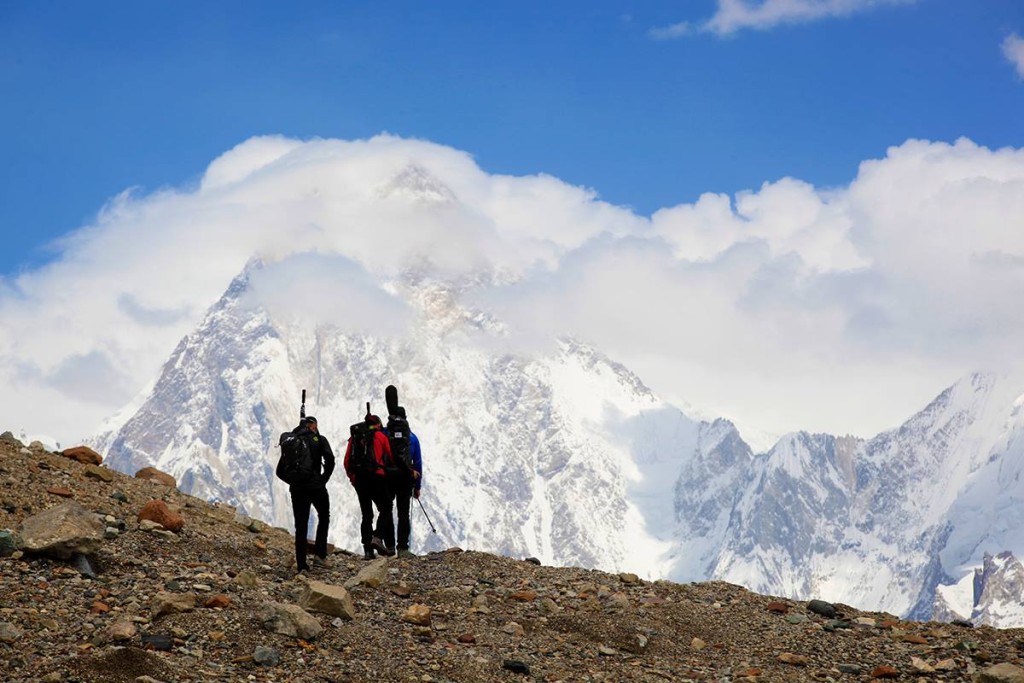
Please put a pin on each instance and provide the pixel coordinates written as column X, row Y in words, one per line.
column 62, row 531
column 83, row 454
column 157, row 511
column 289, row 620
column 333, row 600
column 120, row 631
column 155, row 475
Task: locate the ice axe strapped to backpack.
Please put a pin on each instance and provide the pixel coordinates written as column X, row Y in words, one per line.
column 363, row 459
column 296, row 464
column 398, row 430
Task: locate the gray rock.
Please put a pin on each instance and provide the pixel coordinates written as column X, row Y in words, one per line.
column 267, row 656
column 9, row 633
column 1001, row 673
column 9, row 542
column 333, row 600
column 289, row 620
column 825, row 609
column 849, row 669
column 62, row 531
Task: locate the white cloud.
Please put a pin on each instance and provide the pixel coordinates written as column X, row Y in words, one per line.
column 1013, row 50
column 786, row 307
column 736, row 15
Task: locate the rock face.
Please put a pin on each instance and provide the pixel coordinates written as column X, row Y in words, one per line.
column 157, row 511
column 333, row 600
column 62, row 531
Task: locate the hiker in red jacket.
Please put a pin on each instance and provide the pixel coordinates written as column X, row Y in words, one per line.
column 367, row 458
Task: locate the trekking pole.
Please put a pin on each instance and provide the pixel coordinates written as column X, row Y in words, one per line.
column 432, row 529
column 302, row 408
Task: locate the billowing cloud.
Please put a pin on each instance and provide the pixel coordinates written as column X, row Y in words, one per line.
column 1013, row 50
column 785, row 307
column 736, row 15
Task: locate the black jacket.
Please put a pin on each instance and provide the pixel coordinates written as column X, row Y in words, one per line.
column 323, row 457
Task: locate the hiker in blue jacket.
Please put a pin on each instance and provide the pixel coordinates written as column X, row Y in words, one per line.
column 405, row 479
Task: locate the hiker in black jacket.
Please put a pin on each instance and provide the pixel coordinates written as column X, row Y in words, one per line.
column 312, row 491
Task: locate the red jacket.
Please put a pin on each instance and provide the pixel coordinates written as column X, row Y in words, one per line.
column 381, row 452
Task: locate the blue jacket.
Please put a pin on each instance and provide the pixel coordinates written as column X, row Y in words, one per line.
column 417, row 458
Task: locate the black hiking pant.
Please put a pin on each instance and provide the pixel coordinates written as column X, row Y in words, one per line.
column 321, row 502
column 373, row 491
column 401, row 486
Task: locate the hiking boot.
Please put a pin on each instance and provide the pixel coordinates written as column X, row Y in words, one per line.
column 321, row 562
column 405, row 553
column 379, row 546
column 368, row 553
column 390, row 552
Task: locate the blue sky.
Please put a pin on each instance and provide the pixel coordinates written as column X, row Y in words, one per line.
column 100, row 97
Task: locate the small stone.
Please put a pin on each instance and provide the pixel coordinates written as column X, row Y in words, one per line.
column 514, row 629
column 1001, row 673
column 467, row 638
column 99, row 473
column 698, row 644
column 121, row 630
column 8, row 542
column 54, row 677
column 9, row 633
column 618, row 601
column 549, row 606
column 921, row 665
column 288, row 620
column 865, row 622
column 629, row 578
column 946, row 665
column 794, row 660
column 778, row 607
column 849, row 669
column 914, row 639
column 533, row 560
column 216, row 636
column 884, row 672
column 246, row 579
column 217, row 602
column 418, row 615
column 111, row 532
column 524, row 596
column 401, row 590
column 795, row 618
column 61, row 491
column 157, row 511
column 119, row 496
column 158, row 641
column 516, row 666
column 641, row 641
column 963, row 623
column 333, row 600
column 752, row 672
column 606, row 651
column 267, row 656
column 172, row 603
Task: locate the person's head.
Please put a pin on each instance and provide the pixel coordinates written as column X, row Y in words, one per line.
column 310, row 422
column 373, row 420
column 400, row 412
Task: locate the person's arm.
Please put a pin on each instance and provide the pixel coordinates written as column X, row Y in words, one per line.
column 346, row 464
column 328, row 455
column 417, row 461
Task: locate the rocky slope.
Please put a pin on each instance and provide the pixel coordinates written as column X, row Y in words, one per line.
column 218, row 600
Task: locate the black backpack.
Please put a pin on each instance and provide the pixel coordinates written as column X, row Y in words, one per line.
column 398, row 430
column 296, row 465
column 362, row 458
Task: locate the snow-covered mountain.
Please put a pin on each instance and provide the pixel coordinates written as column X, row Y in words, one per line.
column 565, row 455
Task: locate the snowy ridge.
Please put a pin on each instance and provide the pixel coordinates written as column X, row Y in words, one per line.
column 567, row 456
